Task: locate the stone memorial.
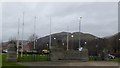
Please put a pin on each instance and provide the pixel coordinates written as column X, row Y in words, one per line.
column 58, row 53
column 11, row 54
column 84, row 55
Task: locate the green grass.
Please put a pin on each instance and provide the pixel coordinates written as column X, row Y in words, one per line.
column 116, row 60
column 95, row 58
column 0, row 60
column 6, row 64
column 25, row 58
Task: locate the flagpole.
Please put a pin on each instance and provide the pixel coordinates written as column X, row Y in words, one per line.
column 22, row 35
column 34, row 31
column 49, row 58
column 18, row 36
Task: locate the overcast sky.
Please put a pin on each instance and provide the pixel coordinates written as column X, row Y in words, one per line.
column 99, row 19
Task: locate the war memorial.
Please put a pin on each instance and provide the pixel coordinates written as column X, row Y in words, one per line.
column 58, row 53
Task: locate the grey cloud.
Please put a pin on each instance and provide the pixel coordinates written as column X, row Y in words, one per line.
column 99, row 19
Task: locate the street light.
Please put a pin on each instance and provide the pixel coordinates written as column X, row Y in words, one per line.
column 54, row 41
column 85, row 43
column 72, row 36
column 79, row 30
column 54, row 38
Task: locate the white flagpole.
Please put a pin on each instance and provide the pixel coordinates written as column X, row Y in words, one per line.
column 22, row 35
column 34, row 31
column 18, row 36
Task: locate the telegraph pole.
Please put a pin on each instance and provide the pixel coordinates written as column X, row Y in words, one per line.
column 80, row 31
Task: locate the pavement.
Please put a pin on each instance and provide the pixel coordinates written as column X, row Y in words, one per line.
column 71, row 64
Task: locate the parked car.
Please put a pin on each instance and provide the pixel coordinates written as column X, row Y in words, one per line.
column 45, row 51
column 4, row 51
column 111, row 56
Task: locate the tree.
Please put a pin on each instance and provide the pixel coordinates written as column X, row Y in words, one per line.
column 32, row 37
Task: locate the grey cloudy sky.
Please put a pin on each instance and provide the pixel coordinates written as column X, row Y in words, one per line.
column 99, row 18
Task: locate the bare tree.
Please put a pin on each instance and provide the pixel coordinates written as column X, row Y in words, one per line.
column 13, row 39
column 32, row 37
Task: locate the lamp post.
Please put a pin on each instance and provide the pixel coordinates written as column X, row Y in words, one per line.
column 49, row 56
column 67, row 37
column 80, row 30
column 18, row 36
column 34, row 32
column 22, row 35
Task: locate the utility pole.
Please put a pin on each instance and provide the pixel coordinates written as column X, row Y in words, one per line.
column 22, row 35
column 80, row 31
column 67, row 38
column 18, row 36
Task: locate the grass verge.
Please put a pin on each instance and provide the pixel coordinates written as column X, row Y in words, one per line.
column 5, row 64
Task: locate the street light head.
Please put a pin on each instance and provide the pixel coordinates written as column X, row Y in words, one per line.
column 72, row 36
column 54, row 38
